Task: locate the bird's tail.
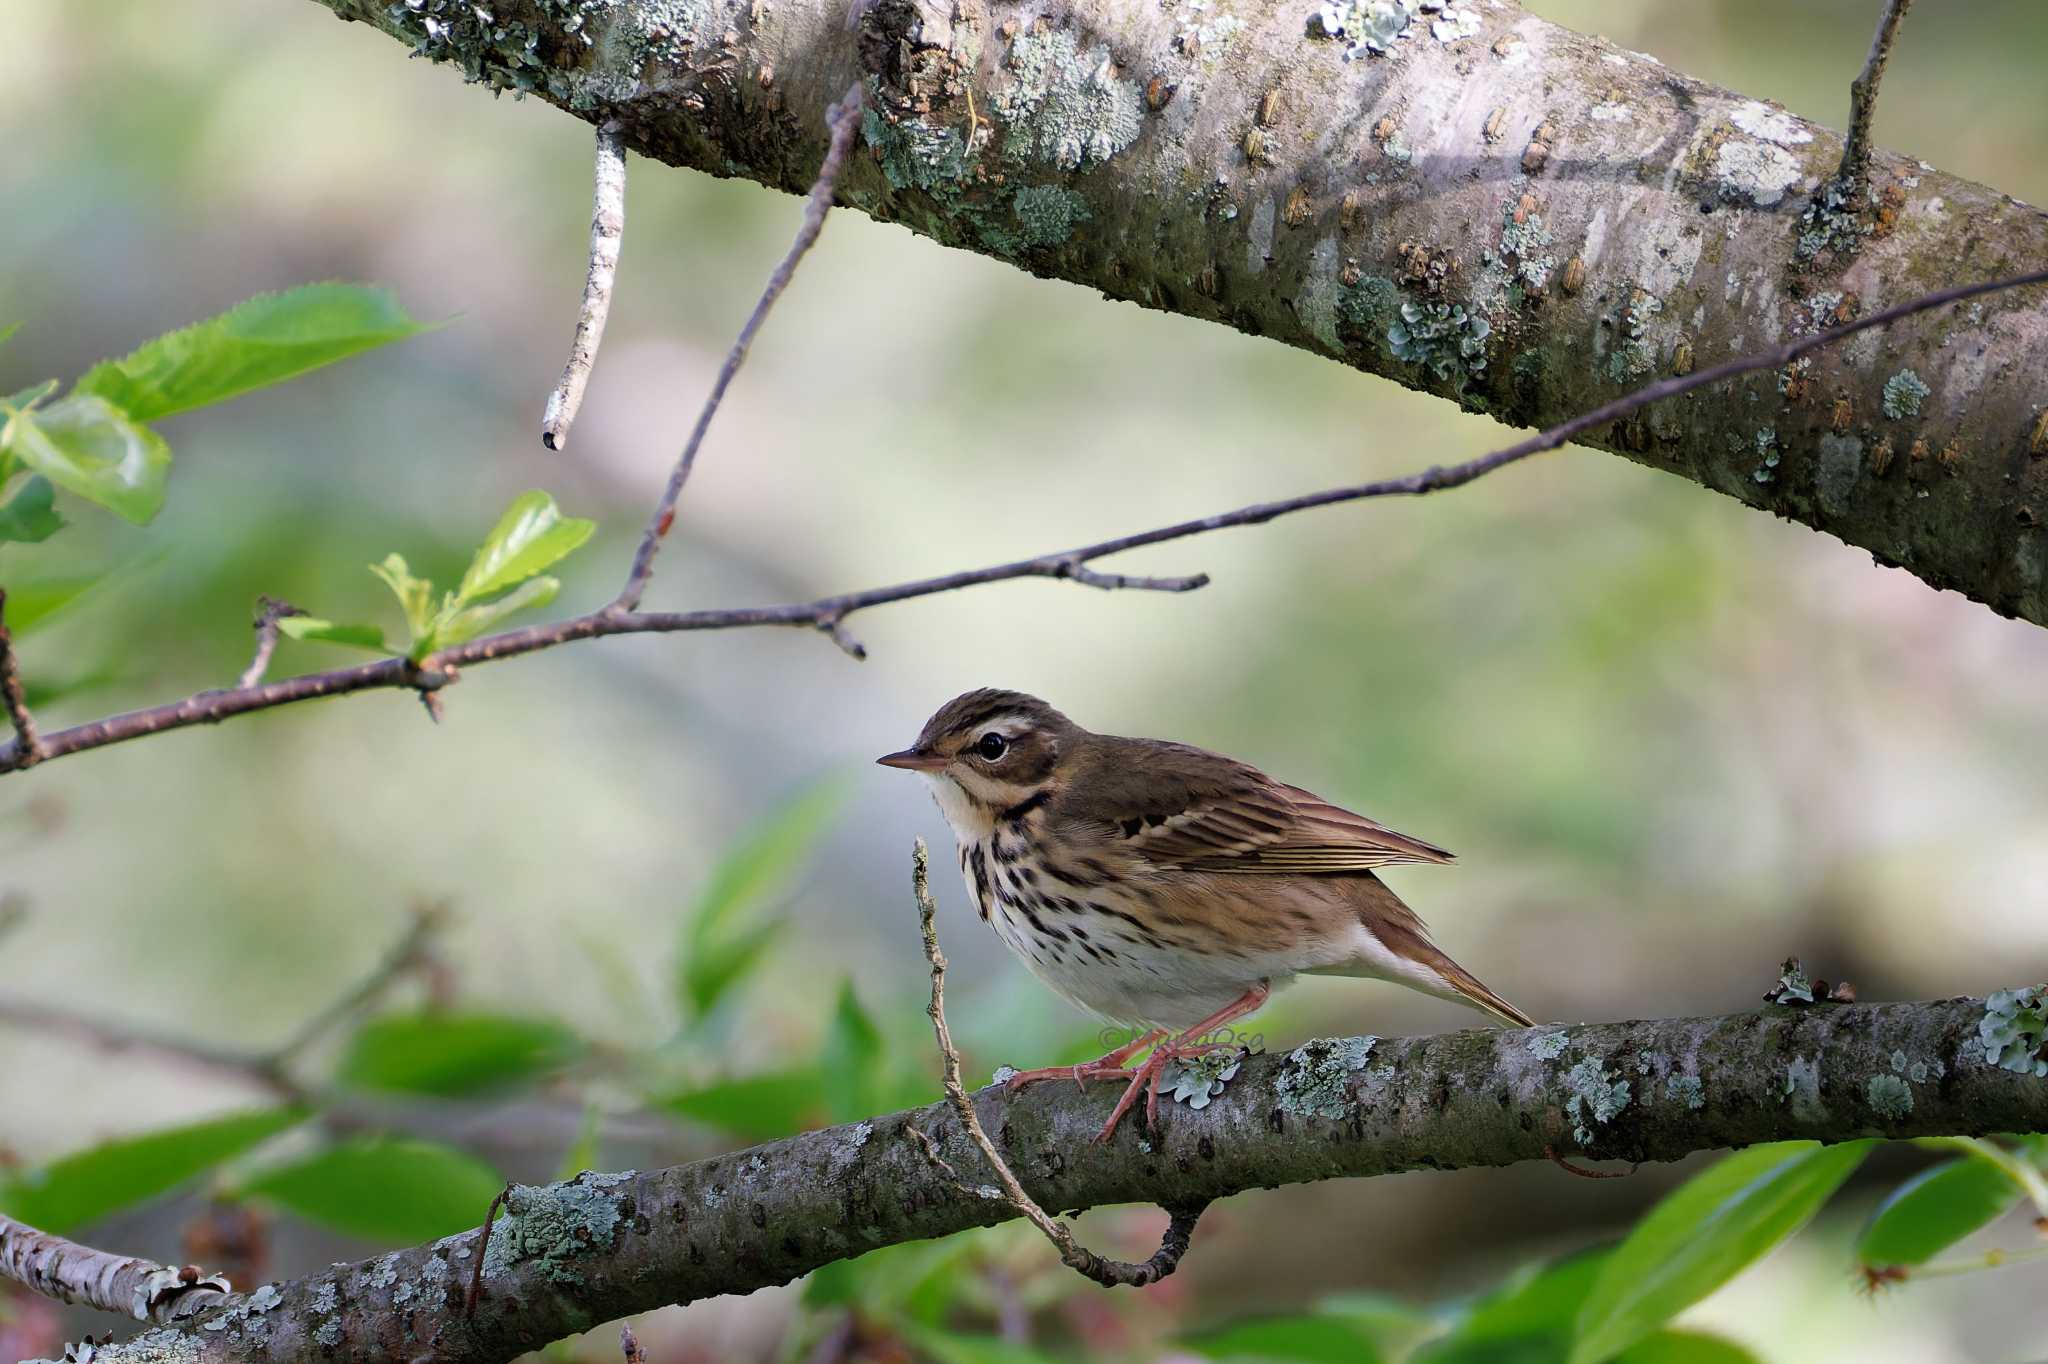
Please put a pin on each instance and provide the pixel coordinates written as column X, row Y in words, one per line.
column 1395, row 946
column 1471, row 990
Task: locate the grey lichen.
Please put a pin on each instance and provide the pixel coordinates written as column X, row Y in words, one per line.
column 2014, row 1030
column 554, row 1226
column 1547, row 1046
column 1685, row 1089
column 1890, row 1097
column 1196, row 1080
column 1767, row 469
column 1441, row 337
column 914, row 154
column 1002, row 1075
column 1047, row 214
column 1374, row 26
column 1802, row 1089
column 328, row 1333
column 1066, row 106
column 1316, row 1078
column 1794, row 985
column 325, row 1296
column 1593, row 1098
column 1632, row 356
column 1757, row 171
column 1903, row 393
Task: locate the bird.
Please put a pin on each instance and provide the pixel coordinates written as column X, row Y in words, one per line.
column 1163, row 886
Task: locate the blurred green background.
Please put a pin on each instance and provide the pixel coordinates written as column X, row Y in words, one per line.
column 1672, row 740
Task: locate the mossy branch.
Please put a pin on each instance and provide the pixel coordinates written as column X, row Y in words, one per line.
column 565, row 1257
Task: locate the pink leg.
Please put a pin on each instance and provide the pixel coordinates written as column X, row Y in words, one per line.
column 1181, row 1044
column 1109, row 1065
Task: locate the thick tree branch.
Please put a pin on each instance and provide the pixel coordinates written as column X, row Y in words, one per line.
column 827, row 614
column 565, row 1257
column 1513, row 215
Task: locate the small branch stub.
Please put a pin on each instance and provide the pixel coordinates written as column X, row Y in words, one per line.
column 607, row 230
column 1863, row 96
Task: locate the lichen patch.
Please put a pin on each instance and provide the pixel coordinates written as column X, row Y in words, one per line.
column 1315, row 1080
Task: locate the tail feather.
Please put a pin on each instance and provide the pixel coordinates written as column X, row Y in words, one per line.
column 1398, row 949
column 1471, row 990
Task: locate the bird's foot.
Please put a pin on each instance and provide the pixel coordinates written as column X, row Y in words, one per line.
column 1103, row 1069
column 1144, row 1079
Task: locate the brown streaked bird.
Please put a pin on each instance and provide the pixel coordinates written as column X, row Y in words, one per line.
column 1164, row 886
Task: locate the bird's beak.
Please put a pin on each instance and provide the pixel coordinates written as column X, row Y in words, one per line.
column 911, row 760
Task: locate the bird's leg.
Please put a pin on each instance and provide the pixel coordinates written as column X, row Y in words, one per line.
column 1108, row 1066
column 1181, row 1044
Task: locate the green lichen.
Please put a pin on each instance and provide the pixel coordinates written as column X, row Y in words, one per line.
column 2014, row 1030
column 1442, row 338
column 1902, row 394
column 1066, row 106
column 1685, row 1089
column 1369, row 305
column 1547, row 1046
column 913, row 153
column 554, row 1226
column 1890, row 1097
column 1632, row 356
column 1766, row 470
column 1315, row 1080
column 1195, row 1080
column 1048, row 214
column 1525, row 243
column 1593, row 1098
column 1834, row 221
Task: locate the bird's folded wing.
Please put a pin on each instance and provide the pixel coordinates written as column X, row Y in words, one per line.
column 1232, row 818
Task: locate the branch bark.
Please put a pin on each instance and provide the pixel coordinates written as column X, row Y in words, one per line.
column 565, row 1257
column 1608, row 218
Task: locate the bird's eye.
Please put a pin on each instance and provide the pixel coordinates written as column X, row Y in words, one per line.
column 992, row 746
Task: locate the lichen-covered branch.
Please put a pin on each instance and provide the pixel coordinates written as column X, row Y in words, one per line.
column 70, row 1272
column 565, row 1257
column 1468, row 200
column 607, row 227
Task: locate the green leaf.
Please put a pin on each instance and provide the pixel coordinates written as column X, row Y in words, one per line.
column 582, row 1152
column 415, row 595
column 1531, row 1317
column 756, row 1107
column 384, row 1190
column 453, row 1053
column 719, row 945
column 1703, row 1234
column 953, row 1347
column 1314, row 1339
column 30, row 396
column 263, row 341
column 1935, row 1209
column 1685, row 1347
column 459, row 627
column 82, row 1188
column 28, row 519
column 851, row 1059
column 313, row 628
column 88, row 446
column 531, row 535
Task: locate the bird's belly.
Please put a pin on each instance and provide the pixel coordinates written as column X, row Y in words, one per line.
column 1094, row 947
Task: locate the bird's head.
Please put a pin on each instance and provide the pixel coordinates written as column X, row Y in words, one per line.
column 988, row 751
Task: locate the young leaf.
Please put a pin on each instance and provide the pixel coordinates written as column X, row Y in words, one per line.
column 389, row 1191
column 719, row 947
column 452, row 1054
column 28, row 519
column 1308, row 1339
column 28, row 397
column 264, row 340
column 1703, row 1234
column 531, row 535
column 459, row 627
column 87, row 445
column 851, row 1058
column 1935, row 1209
column 82, row 1188
column 369, row 637
column 1530, row 1317
column 415, row 595
column 1685, row 1347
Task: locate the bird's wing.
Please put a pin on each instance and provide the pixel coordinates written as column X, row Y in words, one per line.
column 1174, row 806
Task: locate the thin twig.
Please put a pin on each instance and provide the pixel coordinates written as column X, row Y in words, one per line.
column 1863, row 96
column 476, row 1273
column 607, row 227
column 269, row 612
column 844, row 120
column 408, row 953
column 26, row 742
column 70, row 1272
column 1103, row 1270
column 441, row 669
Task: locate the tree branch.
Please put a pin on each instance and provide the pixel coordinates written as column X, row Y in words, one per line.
column 1854, row 172
column 607, row 227
column 826, row 614
column 566, row 1256
column 1605, row 217
column 27, row 745
column 70, row 1272
column 270, row 612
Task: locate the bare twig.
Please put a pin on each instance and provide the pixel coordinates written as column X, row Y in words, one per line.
column 70, row 1272
column 607, row 226
column 408, row 953
column 844, row 120
column 483, row 1244
column 1103, row 1270
column 629, row 1345
column 26, row 742
column 824, row 612
column 1863, row 96
column 269, row 612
